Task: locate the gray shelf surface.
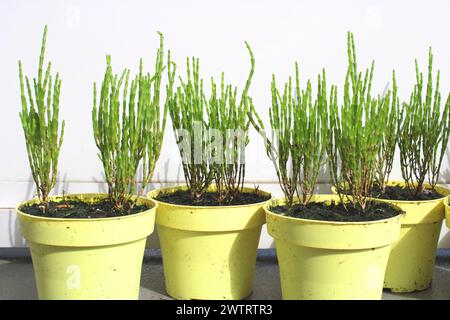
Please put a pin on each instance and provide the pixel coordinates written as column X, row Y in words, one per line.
column 17, row 278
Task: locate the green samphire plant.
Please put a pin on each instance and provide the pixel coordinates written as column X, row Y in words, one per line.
column 228, row 116
column 187, row 111
column 299, row 136
column 211, row 133
column 359, row 134
column 128, row 126
column 71, row 234
column 327, row 243
column 209, row 229
column 423, row 132
column 41, row 126
column 390, row 113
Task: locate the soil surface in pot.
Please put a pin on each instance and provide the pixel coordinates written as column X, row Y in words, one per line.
column 334, row 211
column 404, row 194
column 183, row 197
column 75, row 209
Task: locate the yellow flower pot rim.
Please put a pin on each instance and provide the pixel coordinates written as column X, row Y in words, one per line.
column 333, row 188
column 154, row 203
column 149, row 195
column 312, row 221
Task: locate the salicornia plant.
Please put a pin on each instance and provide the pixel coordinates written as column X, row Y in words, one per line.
column 128, row 128
column 424, row 130
column 187, row 111
column 358, row 129
column 390, row 114
column 41, row 127
column 300, row 136
column 211, row 133
column 228, row 117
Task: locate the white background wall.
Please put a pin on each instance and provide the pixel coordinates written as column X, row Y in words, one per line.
column 280, row 32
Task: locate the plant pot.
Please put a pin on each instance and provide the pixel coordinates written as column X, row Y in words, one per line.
column 208, row 252
column 411, row 263
column 88, row 258
column 447, row 212
column 331, row 260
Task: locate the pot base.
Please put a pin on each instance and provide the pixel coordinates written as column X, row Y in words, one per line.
column 110, row 272
column 411, row 262
column 319, row 274
column 209, row 265
column 410, row 289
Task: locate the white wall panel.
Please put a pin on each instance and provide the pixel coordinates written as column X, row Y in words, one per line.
column 81, row 32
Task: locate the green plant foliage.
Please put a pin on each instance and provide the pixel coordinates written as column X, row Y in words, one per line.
column 211, row 133
column 390, row 114
column 423, row 130
column 300, row 136
column 228, row 116
column 187, row 111
column 128, row 128
column 358, row 133
column 41, row 127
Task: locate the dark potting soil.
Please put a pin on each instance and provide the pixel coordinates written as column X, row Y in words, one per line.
column 332, row 211
column 183, row 197
column 75, row 209
column 397, row 192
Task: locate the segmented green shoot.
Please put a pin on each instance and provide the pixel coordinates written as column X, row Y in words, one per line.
column 128, row 128
column 423, row 129
column 299, row 136
column 40, row 122
column 211, row 133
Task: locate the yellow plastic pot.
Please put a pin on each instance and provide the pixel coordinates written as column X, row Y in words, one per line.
column 331, row 260
column 411, row 263
column 447, row 212
column 88, row 258
column 208, row 252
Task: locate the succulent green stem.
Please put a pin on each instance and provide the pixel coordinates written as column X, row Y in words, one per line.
column 41, row 127
column 127, row 125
